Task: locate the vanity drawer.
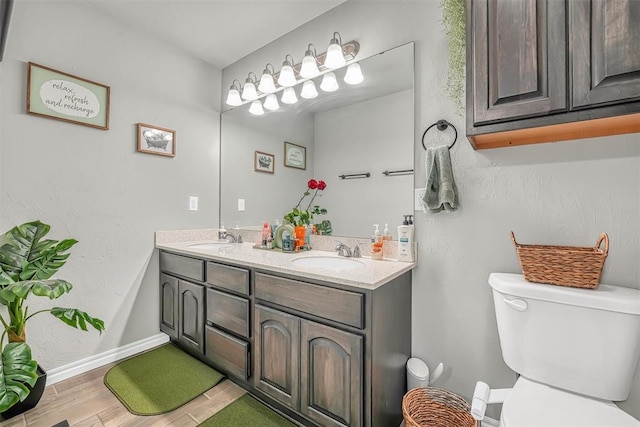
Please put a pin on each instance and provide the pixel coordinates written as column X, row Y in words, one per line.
column 182, row 266
column 228, row 311
column 227, row 352
column 232, row 278
column 333, row 304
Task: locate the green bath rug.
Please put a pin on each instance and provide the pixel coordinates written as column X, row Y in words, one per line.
column 160, row 380
column 246, row 411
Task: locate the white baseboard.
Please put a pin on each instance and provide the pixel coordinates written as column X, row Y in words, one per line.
column 98, row 360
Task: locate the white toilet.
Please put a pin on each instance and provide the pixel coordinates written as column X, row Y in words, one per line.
column 576, row 351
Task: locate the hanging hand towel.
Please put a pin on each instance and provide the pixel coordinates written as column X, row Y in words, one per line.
column 441, row 191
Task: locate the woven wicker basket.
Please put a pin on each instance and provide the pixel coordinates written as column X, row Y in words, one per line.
column 563, row 265
column 434, row 407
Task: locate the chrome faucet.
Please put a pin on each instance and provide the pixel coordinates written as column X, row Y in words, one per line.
column 356, row 251
column 343, row 250
column 230, row 237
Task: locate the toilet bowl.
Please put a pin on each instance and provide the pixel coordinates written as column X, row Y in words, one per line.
column 532, row 404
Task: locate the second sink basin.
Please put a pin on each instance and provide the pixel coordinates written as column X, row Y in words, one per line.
column 218, row 244
column 328, row 263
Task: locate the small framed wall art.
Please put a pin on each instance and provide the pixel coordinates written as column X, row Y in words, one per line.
column 62, row 96
column 156, row 140
column 295, row 156
column 263, row 162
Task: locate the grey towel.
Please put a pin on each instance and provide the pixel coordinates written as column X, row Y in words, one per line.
column 441, row 191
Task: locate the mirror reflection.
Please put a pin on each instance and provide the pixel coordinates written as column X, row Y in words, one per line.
column 366, row 129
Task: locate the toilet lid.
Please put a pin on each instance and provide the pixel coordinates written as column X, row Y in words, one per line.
column 535, row 404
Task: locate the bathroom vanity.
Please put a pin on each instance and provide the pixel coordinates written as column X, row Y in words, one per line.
column 326, row 345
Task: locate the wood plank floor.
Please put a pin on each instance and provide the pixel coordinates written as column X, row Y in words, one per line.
column 84, row 401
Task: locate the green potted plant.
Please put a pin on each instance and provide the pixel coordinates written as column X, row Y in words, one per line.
column 300, row 218
column 27, row 263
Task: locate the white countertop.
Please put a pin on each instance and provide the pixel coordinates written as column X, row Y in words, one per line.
column 374, row 274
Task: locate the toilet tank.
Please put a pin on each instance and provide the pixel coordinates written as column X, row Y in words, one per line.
column 582, row 340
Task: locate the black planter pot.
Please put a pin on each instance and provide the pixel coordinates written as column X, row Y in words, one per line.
column 32, row 399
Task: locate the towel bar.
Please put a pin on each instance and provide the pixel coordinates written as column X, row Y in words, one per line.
column 442, row 125
column 355, row 175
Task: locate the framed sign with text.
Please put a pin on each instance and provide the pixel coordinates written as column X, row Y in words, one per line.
column 62, row 96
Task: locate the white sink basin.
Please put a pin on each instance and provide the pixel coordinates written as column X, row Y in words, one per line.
column 218, row 244
column 328, row 263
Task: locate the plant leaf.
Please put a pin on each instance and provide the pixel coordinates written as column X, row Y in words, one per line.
column 25, row 256
column 77, row 319
column 17, row 368
column 52, row 288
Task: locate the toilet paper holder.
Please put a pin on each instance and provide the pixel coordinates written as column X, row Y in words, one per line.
column 483, row 396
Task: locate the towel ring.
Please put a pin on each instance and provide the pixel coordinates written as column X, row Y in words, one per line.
column 442, row 125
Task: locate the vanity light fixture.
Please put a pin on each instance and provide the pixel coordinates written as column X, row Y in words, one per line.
column 287, row 76
column 256, row 108
column 267, row 84
column 289, row 96
column 309, row 90
column 233, row 97
column 312, row 65
column 309, row 68
column 329, row 82
column 335, row 54
column 271, row 102
column 353, row 76
column 249, row 91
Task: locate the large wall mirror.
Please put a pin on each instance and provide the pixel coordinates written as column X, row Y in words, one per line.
column 360, row 129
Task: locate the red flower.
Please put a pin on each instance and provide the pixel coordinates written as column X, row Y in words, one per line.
column 313, row 184
column 322, row 185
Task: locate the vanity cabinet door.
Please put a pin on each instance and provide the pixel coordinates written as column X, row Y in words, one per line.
column 169, row 313
column 517, row 61
column 331, row 375
column 277, row 355
column 191, row 315
column 604, row 40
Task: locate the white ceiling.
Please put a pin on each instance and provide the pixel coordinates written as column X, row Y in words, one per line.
column 219, row 32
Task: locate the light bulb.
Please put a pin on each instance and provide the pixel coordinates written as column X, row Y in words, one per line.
column 335, row 56
column 308, row 90
column 353, row 76
column 309, row 68
column 233, row 97
column 329, row 82
column 249, row 91
column 289, row 96
column 271, row 102
column 287, row 77
column 266, row 83
column 256, row 108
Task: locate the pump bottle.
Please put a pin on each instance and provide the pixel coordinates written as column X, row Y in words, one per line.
column 405, row 240
column 377, row 244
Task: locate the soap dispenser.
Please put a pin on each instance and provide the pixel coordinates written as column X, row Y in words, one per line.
column 386, row 235
column 377, row 244
column 405, row 240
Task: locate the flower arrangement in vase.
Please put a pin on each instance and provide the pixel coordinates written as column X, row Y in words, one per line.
column 303, row 217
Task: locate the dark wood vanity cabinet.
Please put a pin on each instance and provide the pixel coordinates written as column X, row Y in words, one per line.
column 324, row 353
column 535, row 68
column 182, row 301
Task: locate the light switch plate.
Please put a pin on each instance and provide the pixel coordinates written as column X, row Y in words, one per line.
column 193, row 203
column 240, row 205
column 418, row 203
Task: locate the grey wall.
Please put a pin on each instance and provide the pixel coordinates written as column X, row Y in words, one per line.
column 267, row 196
column 92, row 184
column 565, row 193
column 370, row 136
